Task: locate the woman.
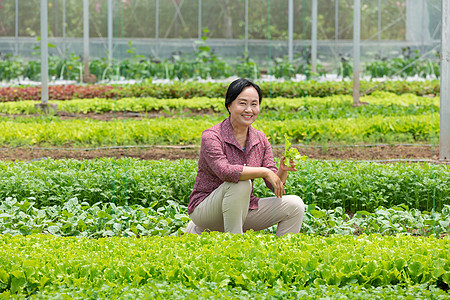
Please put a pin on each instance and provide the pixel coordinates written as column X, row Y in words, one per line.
column 232, row 155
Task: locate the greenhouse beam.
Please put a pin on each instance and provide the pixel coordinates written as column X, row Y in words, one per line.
column 379, row 26
column 16, row 34
column 44, row 53
column 157, row 20
column 86, row 36
column 336, row 20
column 444, row 138
column 110, row 31
column 44, row 105
column 199, row 19
column 291, row 31
column 246, row 30
column 356, row 49
column 314, row 38
column 64, row 28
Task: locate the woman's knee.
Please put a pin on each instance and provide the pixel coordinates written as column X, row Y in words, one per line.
column 242, row 187
column 294, row 204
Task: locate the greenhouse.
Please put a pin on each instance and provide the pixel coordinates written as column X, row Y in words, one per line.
column 224, row 149
column 158, row 29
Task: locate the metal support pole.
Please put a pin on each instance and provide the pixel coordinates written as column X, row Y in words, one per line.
column 356, row 49
column 110, row 31
column 314, row 38
column 175, row 20
column 291, row 31
column 199, row 19
column 336, row 29
column 56, row 32
column 64, row 27
column 379, row 25
column 157, row 20
column 444, row 138
column 336, row 20
column 422, row 27
column 269, row 36
column 303, row 20
column 16, row 46
column 246, row 30
column 44, row 54
column 121, row 14
column 86, row 36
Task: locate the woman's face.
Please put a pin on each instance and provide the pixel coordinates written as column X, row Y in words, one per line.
column 245, row 108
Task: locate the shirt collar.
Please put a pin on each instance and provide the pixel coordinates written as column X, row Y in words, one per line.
column 228, row 135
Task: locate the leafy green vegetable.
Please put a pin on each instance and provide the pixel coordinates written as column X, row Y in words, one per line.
column 354, row 186
column 291, row 154
column 178, row 89
column 160, row 289
column 244, row 263
column 76, row 218
column 106, row 219
column 280, row 108
column 52, row 131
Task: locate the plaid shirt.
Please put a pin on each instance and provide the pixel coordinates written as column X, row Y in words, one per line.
column 222, row 159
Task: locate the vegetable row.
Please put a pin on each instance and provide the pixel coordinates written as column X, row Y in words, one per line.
column 159, row 289
column 106, row 219
column 52, row 131
column 205, row 64
column 354, row 186
column 288, row 89
column 247, row 263
column 330, row 107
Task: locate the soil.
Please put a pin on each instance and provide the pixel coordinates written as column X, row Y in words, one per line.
column 383, row 153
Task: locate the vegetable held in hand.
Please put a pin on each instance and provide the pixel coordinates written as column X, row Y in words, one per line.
column 291, row 154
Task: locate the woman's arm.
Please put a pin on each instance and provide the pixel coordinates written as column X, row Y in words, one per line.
column 254, row 172
column 277, row 180
column 262, row 172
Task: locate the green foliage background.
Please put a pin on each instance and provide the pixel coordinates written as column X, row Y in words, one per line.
column 136, row 19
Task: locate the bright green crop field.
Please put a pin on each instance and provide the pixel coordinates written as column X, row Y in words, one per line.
column 113, row 228
column 223, row 265
column 388, row 118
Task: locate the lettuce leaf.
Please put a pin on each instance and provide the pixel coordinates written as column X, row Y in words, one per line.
column 291, row 154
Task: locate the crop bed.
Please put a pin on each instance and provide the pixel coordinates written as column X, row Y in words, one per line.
column 217, row 90
column 351, row 185
column 102, row 228
column 251, row 264
column 331, row 120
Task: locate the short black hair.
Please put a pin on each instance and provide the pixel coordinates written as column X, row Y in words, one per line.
column 236, row 87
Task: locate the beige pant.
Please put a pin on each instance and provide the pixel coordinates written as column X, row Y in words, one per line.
column 226, row 210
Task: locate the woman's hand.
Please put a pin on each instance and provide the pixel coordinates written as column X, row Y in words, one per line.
column 283, row 167
column 275, row 181
column 283, row 170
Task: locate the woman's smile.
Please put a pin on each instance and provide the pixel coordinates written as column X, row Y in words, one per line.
column 245, row 109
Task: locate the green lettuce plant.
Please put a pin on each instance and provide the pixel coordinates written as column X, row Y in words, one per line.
column 291, row 154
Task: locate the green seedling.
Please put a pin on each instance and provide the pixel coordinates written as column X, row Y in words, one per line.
column 291, row 154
